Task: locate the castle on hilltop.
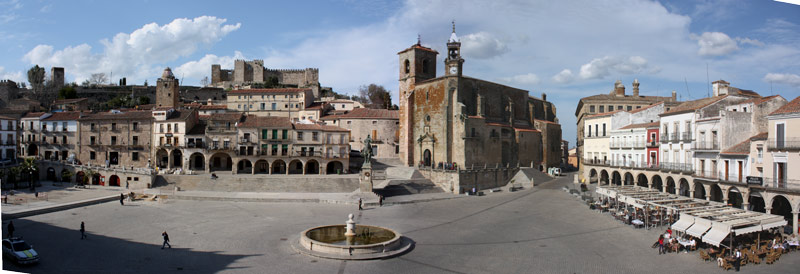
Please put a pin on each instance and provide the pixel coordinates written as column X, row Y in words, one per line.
column 253, row 72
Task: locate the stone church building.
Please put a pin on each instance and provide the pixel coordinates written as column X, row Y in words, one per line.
column 470, row 122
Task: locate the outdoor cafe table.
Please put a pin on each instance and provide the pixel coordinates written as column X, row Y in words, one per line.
column 637, row 222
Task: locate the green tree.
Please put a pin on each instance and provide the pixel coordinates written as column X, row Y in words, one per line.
column 13, row 175
column 29, row 167
column 375, row 96
column 67, row 92
column 66, row 175
column 36, row 77
column 87, row 173
column 143, row 100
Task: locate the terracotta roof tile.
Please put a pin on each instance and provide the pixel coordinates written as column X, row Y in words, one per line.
column 128, row 115
column 319, row 127
column 366, row 113
column 268, row 90
column 742, row 148
column 33, row 115
column 693, row 105
column 644, row 108
column 253, row 121
column 760, row 136
column 228, row 116
column 64, row 116
column 791, row 107
column 418, row 46
column 642, row 125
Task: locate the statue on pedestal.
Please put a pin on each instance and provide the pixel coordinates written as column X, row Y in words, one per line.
column 366, row 152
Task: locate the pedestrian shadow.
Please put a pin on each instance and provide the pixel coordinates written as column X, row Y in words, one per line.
column 61, row 250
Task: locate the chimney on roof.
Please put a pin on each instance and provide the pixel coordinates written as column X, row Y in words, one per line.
column 619, row 89
column 544, row 96
column 635, row 87
column 720, row 87
column 674, row 96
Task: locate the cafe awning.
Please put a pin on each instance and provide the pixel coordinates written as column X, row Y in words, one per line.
column 773, row 224
column 683, row 223
column 717, row 234
column 699, row 227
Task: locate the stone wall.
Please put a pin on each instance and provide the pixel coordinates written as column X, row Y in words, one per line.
column 461, row 181
column 124, row 142
column 383, row 133
column 135, row 179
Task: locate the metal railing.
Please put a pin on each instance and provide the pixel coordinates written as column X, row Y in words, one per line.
column 596, row 162
column 706, row 145
column 664, row 138
column 782, row 183
column 785, row 144
column 652, row 144
column 686, row 137
column 677, row 167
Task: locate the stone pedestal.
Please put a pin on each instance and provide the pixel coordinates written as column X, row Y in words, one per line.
column 365, row 178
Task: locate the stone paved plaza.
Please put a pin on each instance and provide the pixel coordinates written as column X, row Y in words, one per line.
column 544, row 230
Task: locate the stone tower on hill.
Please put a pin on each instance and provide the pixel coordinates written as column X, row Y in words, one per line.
column 167, row 93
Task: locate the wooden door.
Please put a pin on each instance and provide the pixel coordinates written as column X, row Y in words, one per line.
column 727, row 167
column 740, row 171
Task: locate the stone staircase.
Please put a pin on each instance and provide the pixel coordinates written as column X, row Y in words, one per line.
column 402, row 180
column 260, row 183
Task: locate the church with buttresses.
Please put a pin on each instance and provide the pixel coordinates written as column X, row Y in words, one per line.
column 470, row 122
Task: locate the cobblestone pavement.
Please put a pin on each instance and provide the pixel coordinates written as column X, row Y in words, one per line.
column 544, row 230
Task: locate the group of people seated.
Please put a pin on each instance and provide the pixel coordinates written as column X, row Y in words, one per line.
column 667, row 243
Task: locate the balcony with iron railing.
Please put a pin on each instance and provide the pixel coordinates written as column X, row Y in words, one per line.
column 677, row 167
column 706, row 145
column 788, row 144
column 596, row 162
column 652, row 144
column 790, row 184
column 707, row 174
column 686, row 137
column 195, row 145
column 664, row 138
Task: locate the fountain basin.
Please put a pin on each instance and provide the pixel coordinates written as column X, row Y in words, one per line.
column 369, row 242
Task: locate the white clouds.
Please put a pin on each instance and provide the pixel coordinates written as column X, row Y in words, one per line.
column 202, row 68
column 482, row 45
column 563, row 77
column 522, row 79
column 602, row 67
column 783, row 78
column 715, row 44
column 748, row 41
column 136, row 55
column 46, row 8
column 15, row 76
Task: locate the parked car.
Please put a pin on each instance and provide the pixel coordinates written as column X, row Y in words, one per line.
column 19, row 251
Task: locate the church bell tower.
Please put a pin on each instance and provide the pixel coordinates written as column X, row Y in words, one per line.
column 453, row 63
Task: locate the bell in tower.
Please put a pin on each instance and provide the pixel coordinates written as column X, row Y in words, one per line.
column 453, row 61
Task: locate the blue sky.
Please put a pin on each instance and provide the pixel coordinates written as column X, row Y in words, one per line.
column 567, row 49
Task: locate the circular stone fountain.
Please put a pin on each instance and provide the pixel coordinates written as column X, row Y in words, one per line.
column 348, row 242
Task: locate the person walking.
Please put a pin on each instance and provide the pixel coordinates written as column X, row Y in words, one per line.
column 737, row 259
column 166, row 240
column 10, row 229
column 360, row 204
column 661, row 244
column 122, row 199
column 380, row 200
column 83, row 231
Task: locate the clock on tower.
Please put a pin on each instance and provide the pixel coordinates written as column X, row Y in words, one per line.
column 453, row 61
